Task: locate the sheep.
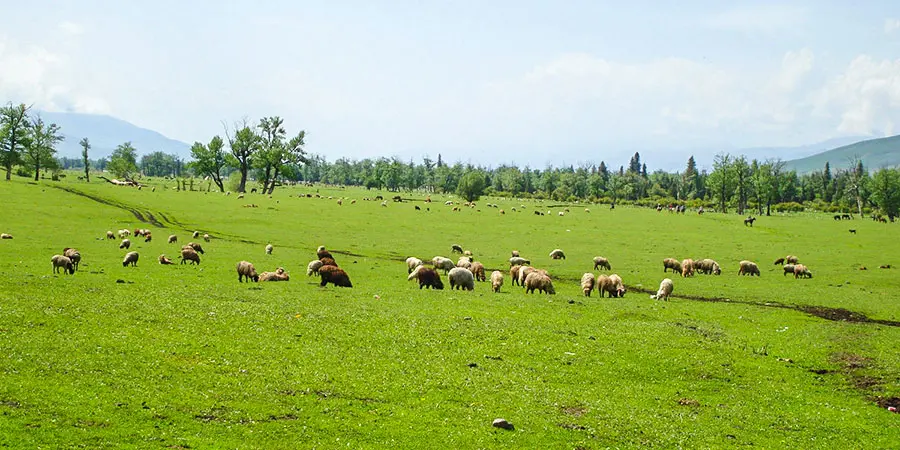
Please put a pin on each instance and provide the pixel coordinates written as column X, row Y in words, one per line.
column 788, row 268
column 197, row 247
column 110, row 235
column 665, row 290
column 412, row 262
column 616, row 284
column 195, row 235
column 708, row 266
column 587, row 283
column 384, row 204
column 5, row 236
column 189, row 254
column 126, row 244
column 124, row 233
column 779, row 261
column 496, row 280
column 600, row 261
column 269, row 249
column 800, row 271
column 602, row 284
column 748, row 268
column 64, row 262
column 465, row 262
column 130, row 258
column 790, row 259
column 445, row 264
column 427, row 277
column 671, row 263
column 461, row 279
column 515, row 253
column 313, row 267
column 206, row 237
column 74, row 255
column 335, row 276
column 477, row 270
column 148, row 237
column 467, row 253
column 539, row 281
column 687, row 268
column 278, row 275
column 557, row 254
column 518, row 261
column 562, row 213
column 246, row 270
column 456, row 248
column 514, row 274
column 322, row 253
column 164, row 261
column 173, row 239
column 326, row 261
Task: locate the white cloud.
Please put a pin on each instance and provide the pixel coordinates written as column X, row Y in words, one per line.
column 766, row 19
column 865, row 97
column 891, row 25
column 71, row 28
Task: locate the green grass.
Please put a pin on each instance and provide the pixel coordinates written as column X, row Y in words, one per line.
column 185, row 356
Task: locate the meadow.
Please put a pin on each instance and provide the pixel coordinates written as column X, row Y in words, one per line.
column 184, row 356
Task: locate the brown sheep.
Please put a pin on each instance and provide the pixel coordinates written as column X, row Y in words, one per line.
column 173, row 239
column 707, row 266
column 74, row 255
column 429, row 277
column 800, row 271
column 687, row 268
column 335, row 276
column 514, row 274
column 601, row 262
column 790, row 259
column 587, row 283
column 602, row 284
column 748, row 268
column 671, row 263
column 163, row 260
column 477, row 270
column 326, row 261
column 197, row 247
column 278, row 275
column 523, row 273
column 322, row 253
column 539, row 281
column 246, row 270
column 189, row 254
column 779, row 261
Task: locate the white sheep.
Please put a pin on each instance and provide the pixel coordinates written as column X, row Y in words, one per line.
column 64, row 262
column 130, row 258
column 557, row 254
column 445, row 264
column 313, row 267
column 496, row 280
column 518, row 261
column 269, row 249
column 206, row 237
column 412, row 262
column 461, row 279
column 665, row 290
column 126, row 244
column 587, row 283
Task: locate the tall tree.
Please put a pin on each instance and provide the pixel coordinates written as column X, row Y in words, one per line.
column 158, row 164
column 471, row 185
column 292, row 154
column 271, row 147
column 14, row 135
column 742, row 174
column 827, row 183
column 41, row 147
column 721, row 181
column 85, row 146
column 634, row 166
column 244, row 145
column 885, row 186
column 209, row 160
column 123, row 162
column 856, row 179
column 689, row 180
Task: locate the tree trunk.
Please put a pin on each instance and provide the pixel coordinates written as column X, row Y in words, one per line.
column 274, row 176
column 37, row 169
column 87, row 173
column 243, row 186
column 218, row 181
column 8, row 171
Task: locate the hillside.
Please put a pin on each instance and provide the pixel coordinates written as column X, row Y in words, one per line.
column 875, row 153
column 106, row 132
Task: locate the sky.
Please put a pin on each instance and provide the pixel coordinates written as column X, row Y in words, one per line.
column 488, row 82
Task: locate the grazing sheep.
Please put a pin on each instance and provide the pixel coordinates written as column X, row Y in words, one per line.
column 197, row 247
column 269, row 249
column 148, row 237
column 335, row 276
column 515, row 254
column 665, row 290
column 464, row 261
column 196, row 234
column 445, row 264
column 173, row 239
column 412, row 262
column 246, row 269
column 616, row 284
column 523, row 273
column 603, row 285
column 600, row 261
column 456, row 248
column 189, row 254
column 671, row 263
column 461, row 279
column 557, row 254
column 587, row 283
column 163, row 260
column 130, row 258
column 74, row 255
column 517, row 261
column 748, row 268
column 124, row 233
column 326, row 261
column 791, row 259
column 800, row 271
column 687, row 268
column 477, row 270
column 206, row 237
column 562, row 213
column 779, row 261
column 428, row 277
column 539, row 281
column 788, row 268
column 313, row 267
column 467, row 253
column 278, row 275
column 64, row 262
column 110, row 235
column 322, row 253
column 514, row 274
column 708, row 266
column 496, row 280
column 125, row 244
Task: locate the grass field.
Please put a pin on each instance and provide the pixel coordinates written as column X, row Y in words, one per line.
column 186, row 357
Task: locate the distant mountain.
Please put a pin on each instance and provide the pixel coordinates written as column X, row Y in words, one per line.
column 802, row 151
column 106, row 133
column 874, row 153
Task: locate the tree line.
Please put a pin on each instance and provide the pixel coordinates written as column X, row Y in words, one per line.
column 263, row 151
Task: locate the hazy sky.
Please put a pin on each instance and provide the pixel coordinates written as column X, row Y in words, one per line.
column 561, row 82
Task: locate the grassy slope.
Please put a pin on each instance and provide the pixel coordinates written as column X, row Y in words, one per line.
column 875, row 153
column 186, row 356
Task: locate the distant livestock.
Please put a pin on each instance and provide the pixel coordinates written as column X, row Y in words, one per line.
column 429, row 278
column 496, row 280
column 601, row 262
column 665, row 290
column 539, row 281
column 671, row 263
column 461, row 279
column 587, row 283
column 246, row 270
column 131, row 258
column 335, row 276
column 748, row 268
column 557, row 254
column 64, row 263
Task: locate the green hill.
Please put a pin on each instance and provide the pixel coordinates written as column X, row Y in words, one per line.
column 874, row 153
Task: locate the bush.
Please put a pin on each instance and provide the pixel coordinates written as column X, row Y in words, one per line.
column 788, row 207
